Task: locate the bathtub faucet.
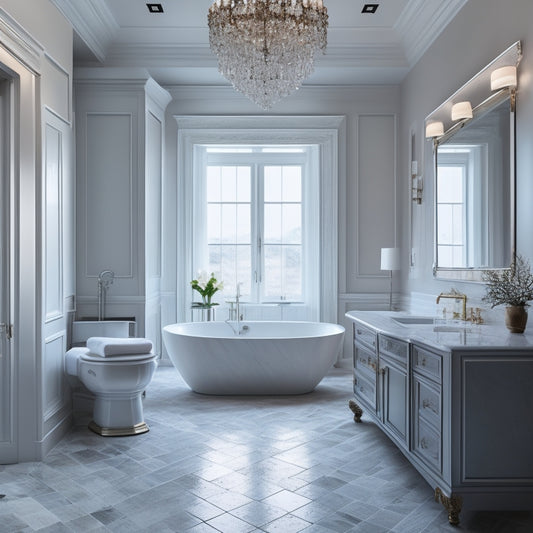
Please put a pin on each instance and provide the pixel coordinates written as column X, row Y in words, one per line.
column 238, row 330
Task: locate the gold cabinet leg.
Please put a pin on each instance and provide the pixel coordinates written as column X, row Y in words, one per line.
column 452, row 504
column 356, row 410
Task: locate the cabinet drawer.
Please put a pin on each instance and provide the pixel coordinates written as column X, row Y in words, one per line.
column 394, row 348
column 427, row 363
column 365, row 389
column 365, row 336
column 427, row 402
column 366, row 361
column 427, row 444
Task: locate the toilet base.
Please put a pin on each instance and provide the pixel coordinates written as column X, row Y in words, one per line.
column 137, row 429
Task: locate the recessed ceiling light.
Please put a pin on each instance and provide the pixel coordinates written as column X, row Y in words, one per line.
column 155, row 8
column 370, row 8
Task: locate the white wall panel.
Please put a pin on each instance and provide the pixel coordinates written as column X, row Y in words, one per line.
column 53, row 223
column 53, row 374
column 108, row 194
column 376, row 191
column 57, row 88
column 154, row 160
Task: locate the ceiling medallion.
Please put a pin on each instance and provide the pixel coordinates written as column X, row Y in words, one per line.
column 267, row 48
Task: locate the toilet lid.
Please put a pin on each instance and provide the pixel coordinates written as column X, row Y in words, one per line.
column 87, row 356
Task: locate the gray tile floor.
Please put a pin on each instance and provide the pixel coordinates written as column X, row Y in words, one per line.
column 233, row 464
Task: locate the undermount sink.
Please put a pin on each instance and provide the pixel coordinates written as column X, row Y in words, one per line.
column 413, row 320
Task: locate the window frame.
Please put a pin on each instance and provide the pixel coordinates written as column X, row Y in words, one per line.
column 328, row 132
column 310, row 214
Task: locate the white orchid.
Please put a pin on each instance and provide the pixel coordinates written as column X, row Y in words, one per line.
column 207, row 285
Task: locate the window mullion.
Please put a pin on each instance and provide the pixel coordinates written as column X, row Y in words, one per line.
column 256, row 231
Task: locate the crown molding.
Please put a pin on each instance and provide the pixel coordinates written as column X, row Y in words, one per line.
column 20, row 43
column 92, row 21
column 421, row 22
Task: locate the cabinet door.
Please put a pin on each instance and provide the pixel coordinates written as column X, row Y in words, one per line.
column 395, row 399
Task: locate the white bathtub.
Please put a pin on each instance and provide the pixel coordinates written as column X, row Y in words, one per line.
column 268, row 358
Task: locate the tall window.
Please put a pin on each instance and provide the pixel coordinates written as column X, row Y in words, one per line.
column 258, row 207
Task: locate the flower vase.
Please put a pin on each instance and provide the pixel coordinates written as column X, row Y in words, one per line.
column 516, row 318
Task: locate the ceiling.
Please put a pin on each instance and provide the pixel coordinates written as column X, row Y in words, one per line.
column 363, row 48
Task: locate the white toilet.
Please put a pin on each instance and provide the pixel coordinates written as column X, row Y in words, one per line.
column 117, row 382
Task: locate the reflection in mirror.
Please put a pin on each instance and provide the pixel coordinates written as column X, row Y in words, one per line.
column 474, row 192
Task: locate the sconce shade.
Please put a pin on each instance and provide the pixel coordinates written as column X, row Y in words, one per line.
column 390, row 259
column 461, row 110
column 434, row 129
column 503, row 77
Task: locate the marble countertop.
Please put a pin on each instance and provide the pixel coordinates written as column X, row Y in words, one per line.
column 444, row 335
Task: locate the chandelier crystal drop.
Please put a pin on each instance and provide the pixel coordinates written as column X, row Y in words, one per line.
column 267, row 48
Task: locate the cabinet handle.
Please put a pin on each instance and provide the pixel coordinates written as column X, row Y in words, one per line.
column 423, row 444
column 383, row 370
column 423, row 362
column 428, row 404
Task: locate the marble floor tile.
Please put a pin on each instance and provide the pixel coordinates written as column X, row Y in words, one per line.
column 233, row 464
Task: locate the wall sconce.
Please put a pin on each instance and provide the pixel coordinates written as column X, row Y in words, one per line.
column 434, row 129
column 390, row 260
column 462, row 110
column 416, row 183
column 503, row 77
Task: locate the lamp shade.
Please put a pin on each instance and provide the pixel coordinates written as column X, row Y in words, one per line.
column 434, row 129
column 503, row 77
column 461, row 110
column 390, row 259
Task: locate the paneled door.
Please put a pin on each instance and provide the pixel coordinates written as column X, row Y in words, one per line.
column 8, row 418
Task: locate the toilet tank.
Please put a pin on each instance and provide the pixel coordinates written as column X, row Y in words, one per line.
column 83, row 329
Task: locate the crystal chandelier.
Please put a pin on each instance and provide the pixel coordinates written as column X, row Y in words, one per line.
column 266, row 48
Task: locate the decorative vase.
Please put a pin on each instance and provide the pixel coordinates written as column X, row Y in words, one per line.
column 516, row 318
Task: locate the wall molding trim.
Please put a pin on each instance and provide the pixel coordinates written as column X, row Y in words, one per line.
column 322, row 131
column 20, row 43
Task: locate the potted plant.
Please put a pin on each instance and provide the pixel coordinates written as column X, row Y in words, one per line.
column 206, row 286
column 512, row 287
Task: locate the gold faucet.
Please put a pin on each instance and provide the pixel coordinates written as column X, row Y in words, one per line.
column 455, row 295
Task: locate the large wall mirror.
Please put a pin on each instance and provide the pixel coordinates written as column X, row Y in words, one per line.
column 474, row 175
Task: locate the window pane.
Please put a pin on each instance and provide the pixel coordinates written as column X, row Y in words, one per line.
column 445, row 256
column 243, row 224
column 292, row 184
column 458, row 224
column 445, row 219
column 229, row 184
column 213, row 184
column 228, row 223
column 292, row 223
column 450, row 184
column 273, row 184
column 213, row 223
column 243, row 184
column 292, row 273
column 244, row 273
column 272, row 223
column 272, row 275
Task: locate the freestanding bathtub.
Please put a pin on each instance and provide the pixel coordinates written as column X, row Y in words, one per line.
column 267, row 358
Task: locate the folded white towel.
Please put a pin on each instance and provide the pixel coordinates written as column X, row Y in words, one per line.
column 109, row 346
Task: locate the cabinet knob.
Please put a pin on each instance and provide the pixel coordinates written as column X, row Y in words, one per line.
column 423, row 362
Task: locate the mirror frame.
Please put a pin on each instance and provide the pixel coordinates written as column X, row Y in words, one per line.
column 477, row 91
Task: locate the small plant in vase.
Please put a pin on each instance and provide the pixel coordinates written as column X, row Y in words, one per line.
column 512, row 287
column 206, row 286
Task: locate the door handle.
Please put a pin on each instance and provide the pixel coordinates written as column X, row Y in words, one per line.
column 7, row 330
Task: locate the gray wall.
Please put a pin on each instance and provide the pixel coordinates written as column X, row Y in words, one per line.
column 480, row 32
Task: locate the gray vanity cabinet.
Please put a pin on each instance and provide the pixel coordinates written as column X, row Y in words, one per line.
column 365, row 366
column 394, row 386
column 460, row 412
column 427, row 398
column 381, row 380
